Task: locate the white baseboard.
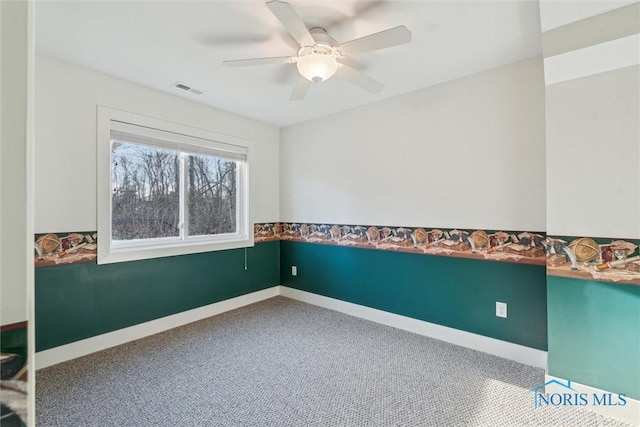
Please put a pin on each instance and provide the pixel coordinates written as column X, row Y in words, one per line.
column 516, row 352
column 80, row 348
column 630, row 412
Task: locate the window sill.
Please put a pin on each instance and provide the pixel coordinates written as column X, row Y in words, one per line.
column 109, row 255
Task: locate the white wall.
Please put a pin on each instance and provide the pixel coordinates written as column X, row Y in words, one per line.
column 65, row 116
column 467, row 153
column 593, row 120
column 556, row 13
column 593, row 148
column 13, row 162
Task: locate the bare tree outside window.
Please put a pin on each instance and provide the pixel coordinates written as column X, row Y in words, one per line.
column 212, row 195
column 145, row 192
column 146, row 183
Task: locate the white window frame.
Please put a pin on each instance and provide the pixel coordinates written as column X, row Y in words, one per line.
column 137, row 249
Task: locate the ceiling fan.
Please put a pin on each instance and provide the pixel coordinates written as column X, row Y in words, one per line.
column 319, row 55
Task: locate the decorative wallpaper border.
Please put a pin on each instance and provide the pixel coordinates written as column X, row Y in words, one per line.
column 515, row 246
column 587, row 258
column 592, row 258
column 65, row 248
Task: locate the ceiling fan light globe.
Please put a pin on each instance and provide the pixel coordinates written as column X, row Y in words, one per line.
column 317, row 67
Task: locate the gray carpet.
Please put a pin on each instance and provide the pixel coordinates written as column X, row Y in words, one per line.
column 285, row 363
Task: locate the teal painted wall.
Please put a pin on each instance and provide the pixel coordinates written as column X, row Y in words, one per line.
column 79, row 301
column 459, row 293
column 594, row 334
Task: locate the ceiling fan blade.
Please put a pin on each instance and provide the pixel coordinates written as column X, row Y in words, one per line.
column 301, row 89
column 287, row 15
column 387, row 38
column 259, row 61
column 359, row 79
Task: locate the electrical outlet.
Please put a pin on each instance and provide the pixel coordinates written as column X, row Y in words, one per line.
column 294, row 270
column 501, row 309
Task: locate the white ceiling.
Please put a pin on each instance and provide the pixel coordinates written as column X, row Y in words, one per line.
column 158, row 43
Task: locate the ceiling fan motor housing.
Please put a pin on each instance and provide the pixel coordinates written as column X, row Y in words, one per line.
column 321, row 37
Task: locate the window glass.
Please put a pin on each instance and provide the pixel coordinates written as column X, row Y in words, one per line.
column 212, row 195
column 145, row 184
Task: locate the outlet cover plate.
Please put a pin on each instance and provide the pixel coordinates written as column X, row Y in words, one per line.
column 294, row 270
column 501, row 309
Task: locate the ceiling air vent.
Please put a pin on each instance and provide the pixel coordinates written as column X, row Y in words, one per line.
column 187, row 88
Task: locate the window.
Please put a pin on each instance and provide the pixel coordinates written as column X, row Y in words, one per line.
column 170, row 189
